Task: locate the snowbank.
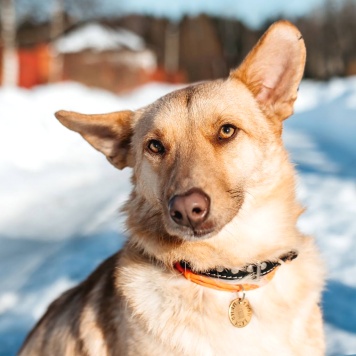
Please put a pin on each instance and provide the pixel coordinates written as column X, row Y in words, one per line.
column 59, row 197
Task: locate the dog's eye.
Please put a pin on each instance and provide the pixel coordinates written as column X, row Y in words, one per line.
column 227, row 131
column 156, row 147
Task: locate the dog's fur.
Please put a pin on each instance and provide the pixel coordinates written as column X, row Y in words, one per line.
column 136, row 303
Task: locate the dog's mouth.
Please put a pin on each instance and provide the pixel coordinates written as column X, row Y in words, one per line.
column 202, row 232
column 190, row 233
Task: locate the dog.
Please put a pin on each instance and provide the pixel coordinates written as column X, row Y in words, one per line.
column 214, row 263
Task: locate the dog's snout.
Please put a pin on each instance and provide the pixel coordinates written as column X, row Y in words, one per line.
column 190, row 209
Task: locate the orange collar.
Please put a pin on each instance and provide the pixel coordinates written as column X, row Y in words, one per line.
column 216, row 283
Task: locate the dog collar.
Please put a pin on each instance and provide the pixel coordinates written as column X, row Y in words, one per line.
column 262, row 272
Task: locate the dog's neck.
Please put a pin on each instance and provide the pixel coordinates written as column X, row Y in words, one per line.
column 249, row 277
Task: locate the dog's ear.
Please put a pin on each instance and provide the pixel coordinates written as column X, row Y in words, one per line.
column 108, row 133
column 274, row 69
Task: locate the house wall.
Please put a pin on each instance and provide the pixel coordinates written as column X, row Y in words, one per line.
column 117, row 71
column 34, row 65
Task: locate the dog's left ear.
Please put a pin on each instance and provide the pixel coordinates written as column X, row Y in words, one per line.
column 274, row 69
column 108, row 133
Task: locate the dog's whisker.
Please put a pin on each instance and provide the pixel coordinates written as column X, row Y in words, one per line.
column 160, row 200
column 247, row 192
column 232, row 233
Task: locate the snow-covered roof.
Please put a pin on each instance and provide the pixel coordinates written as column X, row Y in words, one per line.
column 99, row 38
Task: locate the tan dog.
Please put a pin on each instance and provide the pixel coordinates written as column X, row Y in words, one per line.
column 214, row 263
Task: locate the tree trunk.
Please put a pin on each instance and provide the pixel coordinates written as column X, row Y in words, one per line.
column 57, row 28
column 8, row 34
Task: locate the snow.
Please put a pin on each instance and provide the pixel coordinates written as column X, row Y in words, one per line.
column 98, row 38
column 60, row 198
column 145, row 60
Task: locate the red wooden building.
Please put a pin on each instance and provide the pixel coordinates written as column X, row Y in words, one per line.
column 92, row 54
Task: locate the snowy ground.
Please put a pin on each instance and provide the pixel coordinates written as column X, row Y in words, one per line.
column 59, row 198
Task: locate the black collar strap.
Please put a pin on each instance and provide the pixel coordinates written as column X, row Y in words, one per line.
column 252, row 271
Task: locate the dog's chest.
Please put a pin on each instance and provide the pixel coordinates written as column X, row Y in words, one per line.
column 216, row 335
column 191, row 320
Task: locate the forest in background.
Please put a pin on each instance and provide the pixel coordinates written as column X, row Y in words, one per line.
column 206, row 47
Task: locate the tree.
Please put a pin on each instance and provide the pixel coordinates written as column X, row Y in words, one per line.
column 56, row 29
column 8, row 37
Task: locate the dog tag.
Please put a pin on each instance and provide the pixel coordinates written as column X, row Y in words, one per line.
column 240, row 312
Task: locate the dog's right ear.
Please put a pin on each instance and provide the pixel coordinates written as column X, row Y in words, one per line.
column 108, row 133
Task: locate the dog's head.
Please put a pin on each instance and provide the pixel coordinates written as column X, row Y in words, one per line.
column 205, row 155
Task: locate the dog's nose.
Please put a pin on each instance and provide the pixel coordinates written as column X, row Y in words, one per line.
column 190, row 209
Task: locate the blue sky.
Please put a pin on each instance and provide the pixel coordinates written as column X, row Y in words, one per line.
column 252, row 12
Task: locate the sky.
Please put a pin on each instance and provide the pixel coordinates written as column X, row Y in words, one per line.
column 252, row 12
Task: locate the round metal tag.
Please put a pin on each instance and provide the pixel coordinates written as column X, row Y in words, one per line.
column 240, row 312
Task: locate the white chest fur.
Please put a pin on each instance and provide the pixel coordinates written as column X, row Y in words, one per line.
column 188, row 319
